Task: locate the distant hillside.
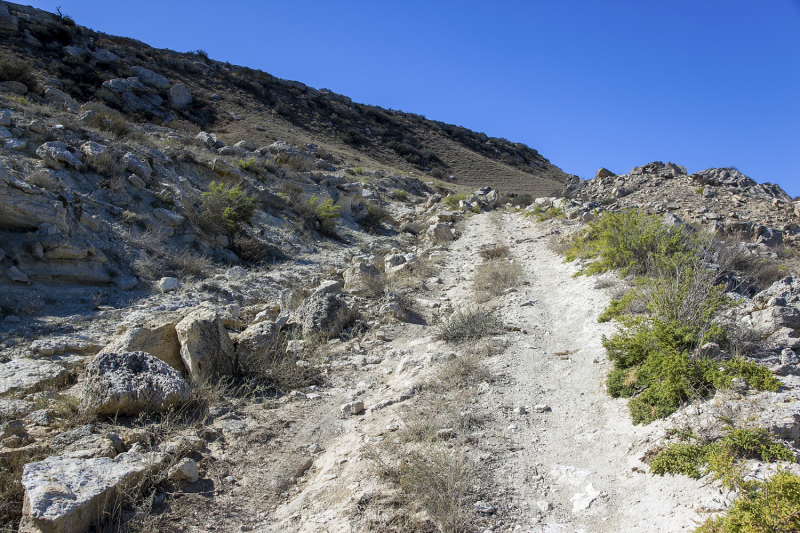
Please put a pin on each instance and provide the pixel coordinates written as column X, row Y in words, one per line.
column 241, row 103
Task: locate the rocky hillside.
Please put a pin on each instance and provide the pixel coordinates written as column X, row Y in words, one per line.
column 228, row 304
column 188, row 91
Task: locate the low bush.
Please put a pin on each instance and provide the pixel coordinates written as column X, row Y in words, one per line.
column 255, row 251
column 543, row 214
column 498, row 251
column 467, row 325
column 771, row 506
column 628, row 241
column 225, row 209
column 326, row 215
column 374, row 217
column 13, row 69
column 452, row 201
column 694, row 458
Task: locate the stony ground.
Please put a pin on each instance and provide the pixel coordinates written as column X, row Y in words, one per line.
column 573, row 467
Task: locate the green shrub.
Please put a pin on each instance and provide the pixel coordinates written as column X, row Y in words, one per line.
column 653, row 366
column 543, row 214
column 400, row 194
column 353, row 137
column 452, row 201
column 771, row 506
column 326, row 214
column 467, row 325
column 694, row 458
column 628, row 241
column 249, row 165
column 226, row 209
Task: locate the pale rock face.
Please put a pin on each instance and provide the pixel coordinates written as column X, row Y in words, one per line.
column 130, row 383
column 168, row 284
column 56, row 155
column 206, row 349
column 55, row 96
column 252, row 344
column 29, row 375
column 441, row 233
column 180, row 95
column 160, row 341
column 150, row 78
column 359, row 278
column 170, row 218
column 67, row 495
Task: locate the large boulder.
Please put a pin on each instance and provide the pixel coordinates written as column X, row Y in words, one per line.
column 775, row 313
column 150, row 78
column 324, row 314
column 56, row 155
column 57, row 97
column 160, row 341
column 67, row 495
column 129, row 383
column 180, row 95
column 252, row 346
column 206, row 349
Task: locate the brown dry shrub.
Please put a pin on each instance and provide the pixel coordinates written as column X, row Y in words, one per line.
column 492, row 278
column 497, row 251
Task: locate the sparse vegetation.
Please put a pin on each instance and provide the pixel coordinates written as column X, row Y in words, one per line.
column 452, row 201
column 492, row 278
column 225, row 209
column 13, row 69
column 543, row 214
column 498, row 251
column 470, row 324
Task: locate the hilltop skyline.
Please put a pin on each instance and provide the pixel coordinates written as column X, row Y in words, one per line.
column 587, row 85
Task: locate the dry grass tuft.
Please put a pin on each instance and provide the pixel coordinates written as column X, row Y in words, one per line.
column 498, row 251
column 494, row 277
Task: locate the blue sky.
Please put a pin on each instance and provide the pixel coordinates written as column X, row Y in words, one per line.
column 701, row 83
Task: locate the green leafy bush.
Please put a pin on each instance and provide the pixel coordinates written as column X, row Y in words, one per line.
column 627, row 241
column 771, row 506
column 326, row 214
column 225, row 208
column 694, row 458
column 543, row 214
column 452, row 201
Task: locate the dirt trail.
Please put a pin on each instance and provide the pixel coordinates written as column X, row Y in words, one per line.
column 585, row 448
column 573, row 468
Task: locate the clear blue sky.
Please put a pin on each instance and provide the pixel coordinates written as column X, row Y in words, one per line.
column 587, row 83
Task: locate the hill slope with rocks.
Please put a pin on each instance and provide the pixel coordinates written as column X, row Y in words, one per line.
column 210, row 322
column 188, row 90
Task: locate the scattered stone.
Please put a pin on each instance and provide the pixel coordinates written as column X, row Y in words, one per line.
column 185, row 470
column 483, row 507
column 352, row 408
column 168, row 284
